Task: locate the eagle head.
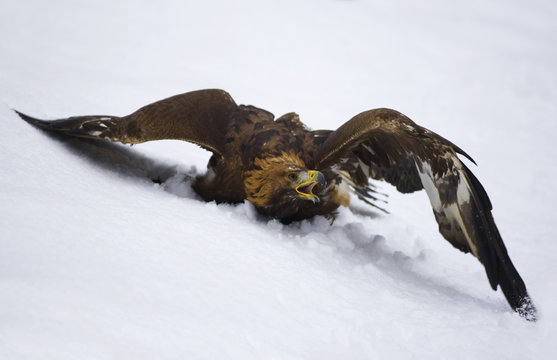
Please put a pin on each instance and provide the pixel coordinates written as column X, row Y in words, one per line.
column 282, row 187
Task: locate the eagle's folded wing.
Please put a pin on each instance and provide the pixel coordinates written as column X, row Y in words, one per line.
column 200, row 117
column 386, row 145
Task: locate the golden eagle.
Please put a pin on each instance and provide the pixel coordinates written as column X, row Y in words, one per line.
column 290, row 172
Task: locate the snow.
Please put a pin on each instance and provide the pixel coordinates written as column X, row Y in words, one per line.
column 99, row 262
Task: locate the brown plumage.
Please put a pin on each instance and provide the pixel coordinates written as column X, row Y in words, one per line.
column 290, row 172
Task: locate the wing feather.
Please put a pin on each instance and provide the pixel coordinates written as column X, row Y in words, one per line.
column 385, row 145
column 201, row 117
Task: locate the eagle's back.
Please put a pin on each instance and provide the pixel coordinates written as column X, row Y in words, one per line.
column 252, row 135
column 252, row 139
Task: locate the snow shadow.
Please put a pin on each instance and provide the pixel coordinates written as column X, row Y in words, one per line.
column 124, row 161
column 362, row 252
column 349, row 246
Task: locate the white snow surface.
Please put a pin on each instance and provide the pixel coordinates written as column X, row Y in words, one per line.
column 98, row 262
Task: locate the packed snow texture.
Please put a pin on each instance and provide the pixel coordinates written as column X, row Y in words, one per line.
column 99, row 262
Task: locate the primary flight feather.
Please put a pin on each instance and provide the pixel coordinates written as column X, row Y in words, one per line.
column 290, row 172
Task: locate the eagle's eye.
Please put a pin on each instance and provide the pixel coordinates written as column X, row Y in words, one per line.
column 292, row 176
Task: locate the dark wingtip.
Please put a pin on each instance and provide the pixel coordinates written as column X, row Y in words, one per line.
column 33, row 121
column 24, row 116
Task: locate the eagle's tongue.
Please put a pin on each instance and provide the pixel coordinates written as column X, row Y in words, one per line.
column 306, row 188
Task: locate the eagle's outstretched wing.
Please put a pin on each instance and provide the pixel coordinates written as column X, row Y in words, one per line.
column 200, row 117
column 385, row 145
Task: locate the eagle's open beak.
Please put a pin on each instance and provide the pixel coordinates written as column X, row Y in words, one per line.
column 308, row 180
